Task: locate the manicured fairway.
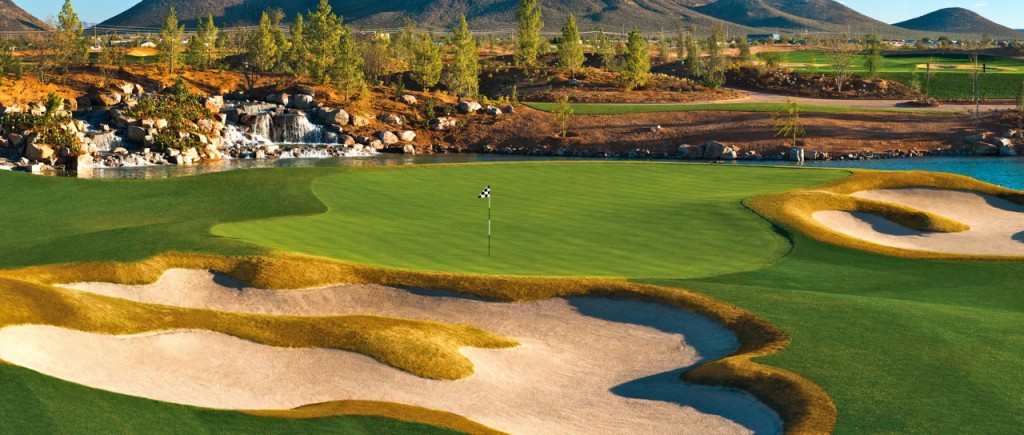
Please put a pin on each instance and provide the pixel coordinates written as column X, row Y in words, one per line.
column 623, row 109
column 636, row 220
column 1002, row 80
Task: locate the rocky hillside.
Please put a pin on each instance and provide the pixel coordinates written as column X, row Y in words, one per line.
column 827, row 11
column 958, row 20
column 14, row 19
column 755, row 13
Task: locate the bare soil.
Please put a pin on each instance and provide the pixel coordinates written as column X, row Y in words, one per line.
column 834, row 133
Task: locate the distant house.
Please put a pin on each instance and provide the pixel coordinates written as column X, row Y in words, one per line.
column 148, row 45
column 764, row 37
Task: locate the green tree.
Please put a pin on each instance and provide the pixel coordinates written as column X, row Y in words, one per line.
column 606, row 50
column 787, row 122
column 713, row 72
column 744, row 47
column 194, row 58
column 636, row 66
column 263, row 53
column 170, row 40
column 873, row 54
column 570, row 47
column 347, row 70
column 207, row 33
column 563, row 112
column 426, row 62
column 693, row 63
column 71, row 48
column 297, row 51
column 528, row 40
column 462, row 77
column 323, row 41
column 376, row 56
column 8, row 62
column 406, row 42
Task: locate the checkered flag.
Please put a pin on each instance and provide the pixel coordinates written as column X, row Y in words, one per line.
column 486, row 193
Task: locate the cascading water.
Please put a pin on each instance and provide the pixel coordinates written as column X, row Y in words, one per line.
column 296, row 128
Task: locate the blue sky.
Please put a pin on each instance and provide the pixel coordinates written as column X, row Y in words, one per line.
column 1005, row 12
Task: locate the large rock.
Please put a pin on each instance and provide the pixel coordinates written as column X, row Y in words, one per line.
column 796, row 154
column 392, row 119
column 38, row 152
column 303, row 102
column 493, row 111
column 443, row 124
column 282, row 99
column 469, row 107
column 84, row 102
column 124, row 88
column 107, row 99
column 215, row 103
column 345, row 139
column 387, row 137
column 334, row 117
column 692, row 152
column 407, row 136
column 714, row 150
column 359, row 121
column 137, row 135
column 409, row 99
column 409, row 149
column 1007, row 151
column 985, row 149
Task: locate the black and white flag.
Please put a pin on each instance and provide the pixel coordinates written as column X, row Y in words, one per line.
column 486, row 193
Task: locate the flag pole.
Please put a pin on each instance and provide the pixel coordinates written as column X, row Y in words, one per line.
column 488, row 225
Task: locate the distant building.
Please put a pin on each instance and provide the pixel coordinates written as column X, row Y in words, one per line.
column 148, row 45
column 764, row 37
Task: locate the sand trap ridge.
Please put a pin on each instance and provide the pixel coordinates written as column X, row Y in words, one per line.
column 585, row 364
column 997, row 225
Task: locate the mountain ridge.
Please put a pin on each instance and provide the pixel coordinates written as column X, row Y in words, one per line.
column 15, row 19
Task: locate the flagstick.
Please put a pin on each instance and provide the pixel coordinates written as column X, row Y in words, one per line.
column 488, row 225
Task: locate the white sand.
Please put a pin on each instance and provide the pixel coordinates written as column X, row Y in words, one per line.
column 585, row 365
column 997, row 225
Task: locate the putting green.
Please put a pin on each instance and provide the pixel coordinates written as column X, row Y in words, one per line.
column 552, row 219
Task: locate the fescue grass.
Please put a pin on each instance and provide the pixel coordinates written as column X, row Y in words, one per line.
column 624, row 109
column 576, row 219
column 1001, row 83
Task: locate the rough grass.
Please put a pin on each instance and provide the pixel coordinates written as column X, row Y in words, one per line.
column 623, row 109
column 802, row 405
column 550, row 219
column 795, row 210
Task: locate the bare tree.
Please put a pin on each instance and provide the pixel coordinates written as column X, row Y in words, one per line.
column 841, row 57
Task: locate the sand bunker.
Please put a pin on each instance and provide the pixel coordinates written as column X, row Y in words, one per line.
column 997, row 225
column 585, row 364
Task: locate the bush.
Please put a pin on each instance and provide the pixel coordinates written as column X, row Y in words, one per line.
column 181, row 109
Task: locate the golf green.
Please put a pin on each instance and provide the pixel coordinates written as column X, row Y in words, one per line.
column 627, row 220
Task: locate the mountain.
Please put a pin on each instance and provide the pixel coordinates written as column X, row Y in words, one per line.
column 958, row 20
column 610, row 15
column 755, row 13
column 14, row 19
column 827, row 11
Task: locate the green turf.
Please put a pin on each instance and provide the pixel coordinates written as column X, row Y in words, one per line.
column 621, row 109
column 1003, row 82
column 651, row 220
column 902, row 346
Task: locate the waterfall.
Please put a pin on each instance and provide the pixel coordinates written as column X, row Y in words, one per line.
column 105, row 141
column 233, row 136
column 262, row 125
column 296, row 128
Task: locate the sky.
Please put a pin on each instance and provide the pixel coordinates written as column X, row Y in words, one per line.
column 1005, row 12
